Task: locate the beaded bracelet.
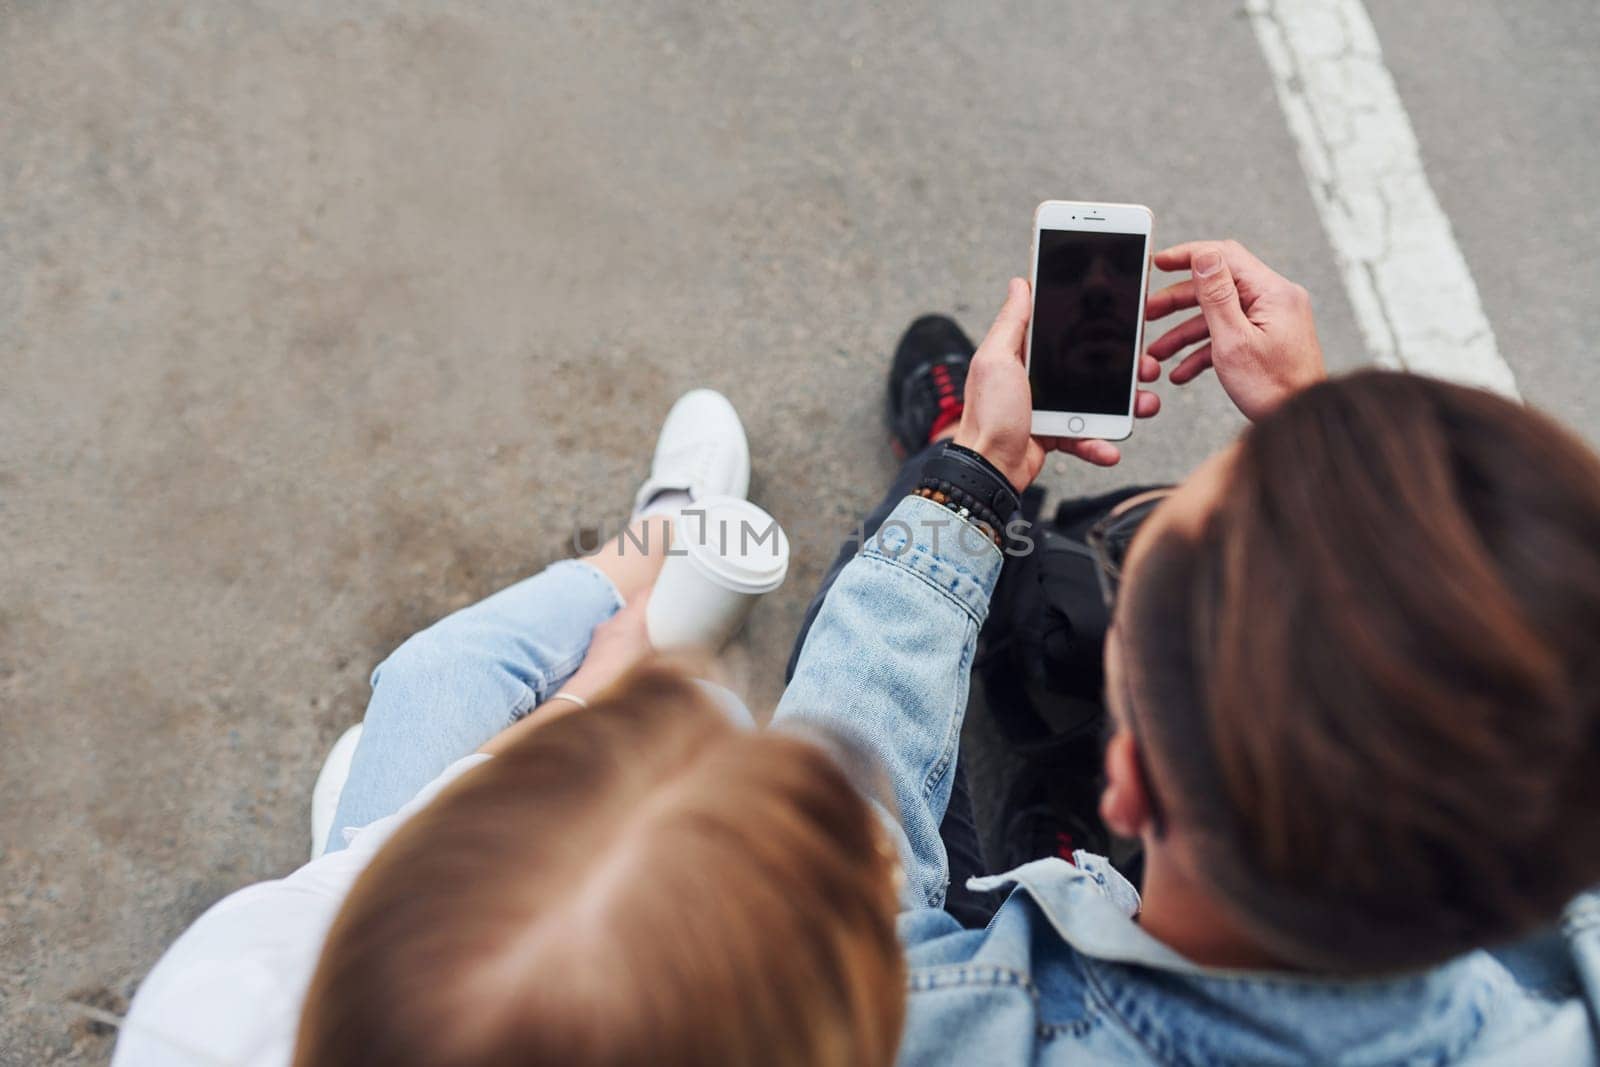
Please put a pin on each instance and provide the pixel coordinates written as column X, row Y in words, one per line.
column 967, row 483
column 952, row 499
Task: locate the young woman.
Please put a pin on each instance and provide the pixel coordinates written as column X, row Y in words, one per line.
column 534, row 863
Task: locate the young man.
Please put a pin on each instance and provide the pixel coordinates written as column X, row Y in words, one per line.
column 1354, row 674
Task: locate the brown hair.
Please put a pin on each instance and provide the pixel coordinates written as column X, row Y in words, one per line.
column 1371, row 682
column 640, row 882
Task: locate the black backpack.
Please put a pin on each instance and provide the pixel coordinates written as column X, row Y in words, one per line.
column 1039, row 664
column 1040, row 653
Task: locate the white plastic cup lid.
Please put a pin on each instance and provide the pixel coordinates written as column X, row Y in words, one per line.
column 736, row 543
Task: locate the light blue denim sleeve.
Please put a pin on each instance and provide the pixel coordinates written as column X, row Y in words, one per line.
column 887, row 664
column 452, row 687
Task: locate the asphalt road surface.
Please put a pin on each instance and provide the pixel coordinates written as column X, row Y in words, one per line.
column 318, row 321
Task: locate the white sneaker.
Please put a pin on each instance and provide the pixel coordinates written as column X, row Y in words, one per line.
column 330, row 786
column 702, row 451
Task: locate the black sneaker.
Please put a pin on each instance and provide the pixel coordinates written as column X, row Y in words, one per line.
column 927, row 382
column 1052, row 806
column 1042, row 830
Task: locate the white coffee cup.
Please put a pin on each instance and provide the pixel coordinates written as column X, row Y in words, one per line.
column 725, row 554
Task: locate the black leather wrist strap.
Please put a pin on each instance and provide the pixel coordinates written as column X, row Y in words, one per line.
column 966, row 483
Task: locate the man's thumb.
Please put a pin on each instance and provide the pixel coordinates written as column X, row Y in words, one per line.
column 1005, row 337
column 1218, row 296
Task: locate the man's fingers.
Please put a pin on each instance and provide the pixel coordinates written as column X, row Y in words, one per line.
column 1149, row 369
column 1090, row 450
column 1175, row 297
column 1180, row 337
column 1191, row 366
column 1101, row 453
column 1177, row 256
column 1146, row 404
column 1252, row 275
column 1240, row 258
column 1219, row 297
column 1011, row 325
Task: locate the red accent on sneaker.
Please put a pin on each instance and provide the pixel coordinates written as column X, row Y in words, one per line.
column 946, row 419
column 950, row 405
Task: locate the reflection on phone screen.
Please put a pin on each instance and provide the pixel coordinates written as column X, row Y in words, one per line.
column 1085, row 320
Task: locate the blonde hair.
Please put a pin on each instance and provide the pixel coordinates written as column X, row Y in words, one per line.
column 640, row 882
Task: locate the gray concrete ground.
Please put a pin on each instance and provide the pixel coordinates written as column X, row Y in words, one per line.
column 318, row 321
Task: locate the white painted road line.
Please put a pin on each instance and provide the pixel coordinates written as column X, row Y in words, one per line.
column 1411, row 288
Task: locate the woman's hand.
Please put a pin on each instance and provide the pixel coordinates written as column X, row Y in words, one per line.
column 1256, row 323
column 997, row 419
column 618, row 643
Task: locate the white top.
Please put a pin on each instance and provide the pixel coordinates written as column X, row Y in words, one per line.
column 228, row 992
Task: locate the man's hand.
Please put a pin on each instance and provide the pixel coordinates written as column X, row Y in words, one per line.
column 997, row 419
column 1257, row 325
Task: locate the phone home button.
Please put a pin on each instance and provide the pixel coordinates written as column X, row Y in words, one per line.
column 1075, row 424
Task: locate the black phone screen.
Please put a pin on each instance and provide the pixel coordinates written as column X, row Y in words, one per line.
column 1085, row 320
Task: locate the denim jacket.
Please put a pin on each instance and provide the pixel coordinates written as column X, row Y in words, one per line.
column 1064, row 974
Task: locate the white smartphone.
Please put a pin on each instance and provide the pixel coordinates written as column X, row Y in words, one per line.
column 1091, row 266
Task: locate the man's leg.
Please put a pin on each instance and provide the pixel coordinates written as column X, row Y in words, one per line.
column 925, row 384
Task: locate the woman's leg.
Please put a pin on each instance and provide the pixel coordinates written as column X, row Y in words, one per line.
column 455, row 685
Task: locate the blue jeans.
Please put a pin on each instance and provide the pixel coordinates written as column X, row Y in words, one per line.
column 452, row 687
